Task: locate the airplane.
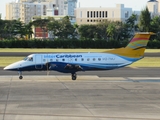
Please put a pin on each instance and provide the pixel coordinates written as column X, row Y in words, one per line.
column 75, row 62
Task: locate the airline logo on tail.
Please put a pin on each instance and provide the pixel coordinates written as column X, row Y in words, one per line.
column 140, row 40
column 136, row 47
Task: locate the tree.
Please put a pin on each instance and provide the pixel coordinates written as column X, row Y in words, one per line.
column 111, row 30
column 62, row 28
column 144, row 20
column 67, row 29
column 117, row 30
column 88, row 31
column 131, row 22
column 54, row 28
column 101, row 30
column 2, row 26
column 155, row 26
column 14, row 29
column 28, row 30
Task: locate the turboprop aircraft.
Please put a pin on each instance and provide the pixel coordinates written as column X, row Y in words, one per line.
column 75, row 62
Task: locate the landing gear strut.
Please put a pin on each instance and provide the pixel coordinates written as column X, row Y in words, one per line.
column 20, row 75
column 74, row 76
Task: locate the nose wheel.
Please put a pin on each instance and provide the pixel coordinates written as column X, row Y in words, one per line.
column 74, row 76
column 20, row 75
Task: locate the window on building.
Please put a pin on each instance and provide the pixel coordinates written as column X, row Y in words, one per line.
column 87, row 14
column 100, row 14
column 87, row 20
column 126, row 14
column 103, row 14
column 112, row 14
column 97, row 14
column 94, row 14
column 91, row 14
column 106, row 14
column 81, row 14
column 44, row 9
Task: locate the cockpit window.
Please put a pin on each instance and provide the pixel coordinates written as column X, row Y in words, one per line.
column 25, row 59
column 28, row 59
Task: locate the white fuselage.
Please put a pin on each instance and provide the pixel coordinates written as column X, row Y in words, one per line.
column 57, row 62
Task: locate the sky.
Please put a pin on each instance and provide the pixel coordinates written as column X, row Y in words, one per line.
column 134, row 4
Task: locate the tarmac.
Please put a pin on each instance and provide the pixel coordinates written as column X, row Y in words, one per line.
column 88, row 98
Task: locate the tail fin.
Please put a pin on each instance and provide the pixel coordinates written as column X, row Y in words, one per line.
column 136, row 47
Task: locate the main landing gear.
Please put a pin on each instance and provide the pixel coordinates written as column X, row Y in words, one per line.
column 74, row 76
column 20, row 75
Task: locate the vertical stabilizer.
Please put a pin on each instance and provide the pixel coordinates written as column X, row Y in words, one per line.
column 136, row 46
column 140, row 40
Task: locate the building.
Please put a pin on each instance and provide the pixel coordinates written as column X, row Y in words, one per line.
column 70, row 6
column 94, row 15
column 26, row 9
column 158, row 6
column 12, row 11
column 153, row 7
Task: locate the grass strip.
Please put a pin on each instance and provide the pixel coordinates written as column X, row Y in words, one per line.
column 147, row 62
column 4, row 61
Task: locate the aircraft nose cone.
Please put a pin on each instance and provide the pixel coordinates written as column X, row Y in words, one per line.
column 14, row 67
column 6, row 68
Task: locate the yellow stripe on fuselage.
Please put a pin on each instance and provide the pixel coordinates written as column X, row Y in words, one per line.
column 128, row 52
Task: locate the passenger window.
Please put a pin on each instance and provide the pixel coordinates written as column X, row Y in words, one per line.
column 51, row 60
column 82, row 59
column 94, row 59
column 99, row 59
column 57, row 60
column 44, row 60
column 88, row 59
column 76, row 59
column 63, row 59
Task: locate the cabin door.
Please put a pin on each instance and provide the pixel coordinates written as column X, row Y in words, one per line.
column 38, row 62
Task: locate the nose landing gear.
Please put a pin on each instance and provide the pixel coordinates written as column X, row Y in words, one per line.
column 20, row 75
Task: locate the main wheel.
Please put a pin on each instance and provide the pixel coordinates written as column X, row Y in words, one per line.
column 74, row 76
column 20, row 77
